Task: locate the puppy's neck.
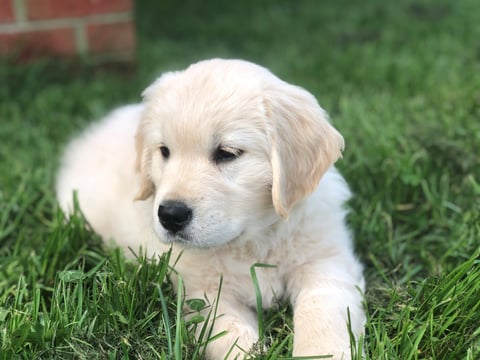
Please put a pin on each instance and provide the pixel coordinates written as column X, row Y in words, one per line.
column 261, row 243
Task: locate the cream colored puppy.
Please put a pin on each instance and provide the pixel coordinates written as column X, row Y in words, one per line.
column 233, row 166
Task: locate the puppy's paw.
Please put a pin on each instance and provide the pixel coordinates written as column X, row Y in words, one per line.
column 237, row 342
column 333, row 354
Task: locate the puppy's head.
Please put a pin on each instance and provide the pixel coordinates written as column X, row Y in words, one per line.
column 225, row 147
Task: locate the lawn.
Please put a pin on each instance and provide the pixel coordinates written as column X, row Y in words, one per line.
column 401, row 81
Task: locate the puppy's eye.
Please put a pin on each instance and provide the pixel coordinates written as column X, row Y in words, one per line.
column 221, row 155
column 165, row 151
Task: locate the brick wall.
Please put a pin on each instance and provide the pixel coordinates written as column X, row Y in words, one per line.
column 99, row 28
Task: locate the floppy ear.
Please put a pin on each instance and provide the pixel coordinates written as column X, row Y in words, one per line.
column 142, row 164
column 304, row 144
column 143, row 159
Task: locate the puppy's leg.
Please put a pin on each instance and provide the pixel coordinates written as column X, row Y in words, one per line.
column 240, row 327
column 321, row 304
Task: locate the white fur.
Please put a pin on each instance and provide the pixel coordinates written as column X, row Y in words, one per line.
column 279, row 203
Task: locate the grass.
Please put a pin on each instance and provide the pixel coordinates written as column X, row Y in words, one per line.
column 401, row 81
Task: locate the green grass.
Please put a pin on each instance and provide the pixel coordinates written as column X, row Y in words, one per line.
column 401, row 81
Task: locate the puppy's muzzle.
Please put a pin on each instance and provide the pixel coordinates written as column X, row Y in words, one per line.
column 174, row 215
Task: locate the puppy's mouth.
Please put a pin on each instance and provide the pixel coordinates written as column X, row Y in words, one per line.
column 177, row 224
column 181, row 237
column 185, row 240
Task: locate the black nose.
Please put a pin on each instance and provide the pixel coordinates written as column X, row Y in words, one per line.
column 174, row 215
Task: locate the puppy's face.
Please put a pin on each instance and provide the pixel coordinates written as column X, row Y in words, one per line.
column 225, row 148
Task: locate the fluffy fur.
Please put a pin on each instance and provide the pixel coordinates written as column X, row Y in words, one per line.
column 276, row 200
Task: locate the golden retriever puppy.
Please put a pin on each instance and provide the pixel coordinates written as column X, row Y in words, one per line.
column 232, row 166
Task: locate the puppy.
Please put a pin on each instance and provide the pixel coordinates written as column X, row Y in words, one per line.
column 231, row 166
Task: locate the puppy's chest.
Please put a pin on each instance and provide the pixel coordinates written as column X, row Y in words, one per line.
column 249, row 277
column 269, row 281
column 241, row 277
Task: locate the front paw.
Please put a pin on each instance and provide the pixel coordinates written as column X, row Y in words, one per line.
column 328, row 354
column 236, row 341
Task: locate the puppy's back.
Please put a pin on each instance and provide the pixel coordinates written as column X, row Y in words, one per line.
column 99, row 166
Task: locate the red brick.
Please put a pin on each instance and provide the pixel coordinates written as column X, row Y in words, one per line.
column 6, row 11
column 48, row 9
column 27, row 45
column 111, row 38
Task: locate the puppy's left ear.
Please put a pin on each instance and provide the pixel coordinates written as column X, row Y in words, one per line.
column 304, row 144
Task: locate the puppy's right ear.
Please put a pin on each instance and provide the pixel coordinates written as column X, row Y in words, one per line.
column 142, row 166
column 144, row 157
